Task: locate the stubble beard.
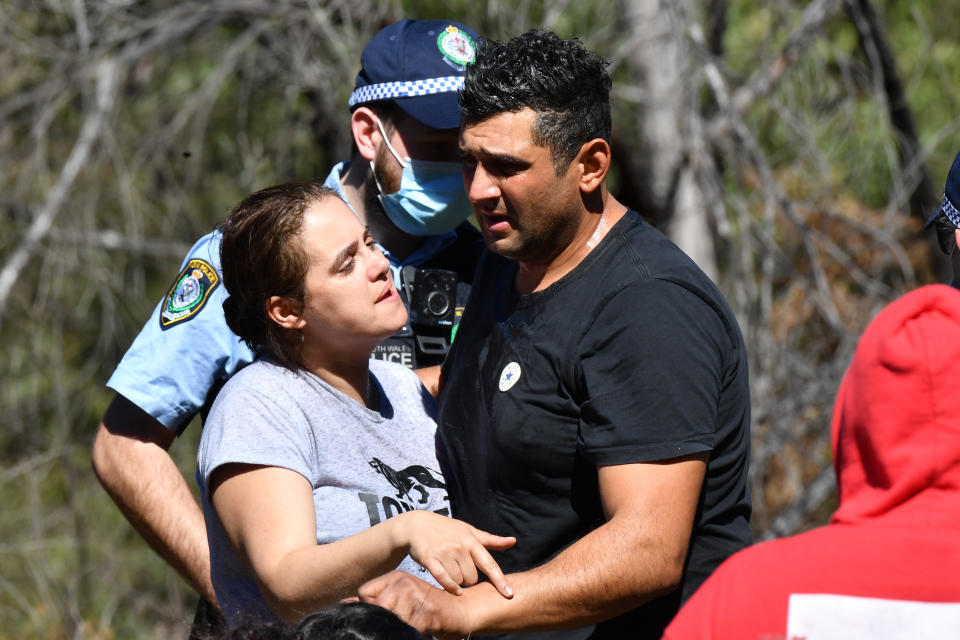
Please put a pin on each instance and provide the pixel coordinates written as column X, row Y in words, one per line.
column 537, row 246
column 388, row 182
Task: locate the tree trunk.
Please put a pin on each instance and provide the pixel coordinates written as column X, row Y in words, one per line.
column 665, row 162
column 879, row 55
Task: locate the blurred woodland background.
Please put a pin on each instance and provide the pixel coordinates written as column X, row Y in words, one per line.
column 791, row 147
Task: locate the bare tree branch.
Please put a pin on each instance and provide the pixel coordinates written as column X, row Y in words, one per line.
column 106, row 81
column 789, row 521
column 763, row 82
column 116, row 241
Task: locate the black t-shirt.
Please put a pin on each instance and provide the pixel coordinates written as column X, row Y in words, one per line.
column 461, row 255
column 634, row 356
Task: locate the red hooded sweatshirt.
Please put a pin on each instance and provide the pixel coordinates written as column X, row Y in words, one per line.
column 888, row 564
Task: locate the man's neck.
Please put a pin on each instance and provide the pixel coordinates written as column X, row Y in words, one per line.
column 362, row 194
column 538, row 275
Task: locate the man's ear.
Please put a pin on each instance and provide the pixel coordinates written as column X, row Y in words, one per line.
column 593, row 162
column 366, row 134
column 286, row 312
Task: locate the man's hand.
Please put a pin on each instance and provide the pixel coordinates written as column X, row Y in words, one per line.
column 419, row 604
column 637, row 555
column 131, row 461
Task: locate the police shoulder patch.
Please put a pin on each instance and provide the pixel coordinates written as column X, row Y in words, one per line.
column 189, row 293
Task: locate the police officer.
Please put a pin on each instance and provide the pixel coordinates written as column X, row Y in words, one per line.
column 402, row 181
column 946, row 219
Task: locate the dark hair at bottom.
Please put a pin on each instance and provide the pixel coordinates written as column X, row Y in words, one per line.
column 355, row 621
column 345, row 621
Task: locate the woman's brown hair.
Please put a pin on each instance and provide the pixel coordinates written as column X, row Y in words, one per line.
column 262, row 255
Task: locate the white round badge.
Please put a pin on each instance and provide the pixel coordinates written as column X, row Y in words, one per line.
column 509, row 376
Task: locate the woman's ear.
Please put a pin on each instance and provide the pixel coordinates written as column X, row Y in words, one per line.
column 594, row 163
column 366, row 134
column 286, row 312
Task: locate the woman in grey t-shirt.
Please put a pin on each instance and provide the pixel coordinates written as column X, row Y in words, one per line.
column 317, row 464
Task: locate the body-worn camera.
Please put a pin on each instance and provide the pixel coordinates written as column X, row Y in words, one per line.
column 431, row 298
column 432, row 294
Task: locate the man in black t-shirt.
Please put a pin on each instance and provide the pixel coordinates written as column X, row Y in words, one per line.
column 595, row 403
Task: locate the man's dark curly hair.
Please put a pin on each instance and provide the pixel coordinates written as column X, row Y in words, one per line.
column 567, row 86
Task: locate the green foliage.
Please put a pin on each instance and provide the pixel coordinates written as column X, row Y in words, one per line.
column 927, row 58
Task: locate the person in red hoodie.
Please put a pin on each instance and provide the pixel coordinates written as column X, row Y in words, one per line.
column 888, row 564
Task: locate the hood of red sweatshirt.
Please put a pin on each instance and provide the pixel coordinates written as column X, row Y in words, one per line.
column 896, row 421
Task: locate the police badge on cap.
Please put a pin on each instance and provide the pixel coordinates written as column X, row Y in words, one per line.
column 457, row 46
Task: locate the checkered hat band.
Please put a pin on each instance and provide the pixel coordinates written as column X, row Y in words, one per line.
column 391, row 90
column 951, row 212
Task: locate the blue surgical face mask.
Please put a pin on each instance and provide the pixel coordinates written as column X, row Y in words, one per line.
column 431, row 200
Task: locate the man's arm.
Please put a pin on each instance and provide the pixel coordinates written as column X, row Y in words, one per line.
column 131, row 461
column 637, row 555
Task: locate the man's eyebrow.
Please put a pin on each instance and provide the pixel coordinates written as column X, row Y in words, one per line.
column 343, row 255
column 501, row 158
column 505, row 158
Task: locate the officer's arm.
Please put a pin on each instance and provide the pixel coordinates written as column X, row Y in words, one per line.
column 637, row 555
column 131, row 461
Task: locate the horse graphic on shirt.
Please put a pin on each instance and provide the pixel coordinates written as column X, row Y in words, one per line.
column 414, row 478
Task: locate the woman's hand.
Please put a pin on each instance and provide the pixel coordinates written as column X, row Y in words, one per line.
column 452, row 550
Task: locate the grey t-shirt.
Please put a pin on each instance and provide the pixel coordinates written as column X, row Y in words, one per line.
column 365, row 466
